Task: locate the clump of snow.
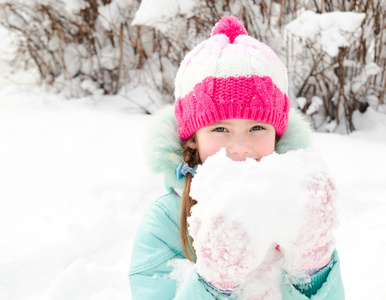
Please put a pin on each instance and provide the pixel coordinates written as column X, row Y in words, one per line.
column 316, row 103
column 109, row 57
column 181, row 270
column 74, row 6
column 372, row 69
column 334, row 29
column 72, row 60
column 153, row 13
column 301, row 102
column 110, row 15
column 370, row 121
column 268, row 199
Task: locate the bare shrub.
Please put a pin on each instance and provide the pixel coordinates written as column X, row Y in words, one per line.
column 334, row 86
column 83, row 53
column 98, row 50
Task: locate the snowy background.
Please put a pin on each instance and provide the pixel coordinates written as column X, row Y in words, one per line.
column 74, row 185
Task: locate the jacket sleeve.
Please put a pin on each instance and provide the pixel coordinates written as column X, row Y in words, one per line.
column 157, row 242
column 331, row 288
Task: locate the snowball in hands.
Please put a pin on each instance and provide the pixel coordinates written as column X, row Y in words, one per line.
column 243, row 208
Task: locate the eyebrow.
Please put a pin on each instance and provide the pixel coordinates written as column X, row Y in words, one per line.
column 221, row 122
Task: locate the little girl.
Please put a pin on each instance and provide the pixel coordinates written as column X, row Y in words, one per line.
column 231, row 93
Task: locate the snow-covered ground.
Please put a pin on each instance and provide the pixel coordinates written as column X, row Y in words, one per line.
column 74, row 185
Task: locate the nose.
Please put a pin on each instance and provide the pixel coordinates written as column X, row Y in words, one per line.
column 239, row 148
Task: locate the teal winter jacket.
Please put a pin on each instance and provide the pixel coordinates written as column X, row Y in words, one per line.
column 157, row 243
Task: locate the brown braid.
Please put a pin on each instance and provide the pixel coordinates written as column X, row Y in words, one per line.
column 192, row 158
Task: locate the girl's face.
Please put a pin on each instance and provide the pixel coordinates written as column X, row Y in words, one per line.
column 241, row 138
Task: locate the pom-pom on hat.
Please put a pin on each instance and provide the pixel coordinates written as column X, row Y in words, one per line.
column 230, row 76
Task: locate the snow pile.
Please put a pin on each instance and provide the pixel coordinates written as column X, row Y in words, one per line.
column 267, row 199
column 333, row 30
column 74, row 187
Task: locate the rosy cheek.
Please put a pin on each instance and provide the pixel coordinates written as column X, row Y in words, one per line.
column 266, row 149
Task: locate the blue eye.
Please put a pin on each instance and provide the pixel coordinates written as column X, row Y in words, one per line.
column 257, row 127
column 220, row 129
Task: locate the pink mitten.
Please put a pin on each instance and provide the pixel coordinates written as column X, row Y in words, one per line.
column 222, row 250
column 314, row 245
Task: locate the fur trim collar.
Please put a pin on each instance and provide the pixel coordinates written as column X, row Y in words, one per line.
column 163, row 141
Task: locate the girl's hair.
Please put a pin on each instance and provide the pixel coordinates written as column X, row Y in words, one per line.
column 192, row 158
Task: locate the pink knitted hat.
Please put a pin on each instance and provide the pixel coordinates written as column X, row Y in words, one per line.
column 230, row 76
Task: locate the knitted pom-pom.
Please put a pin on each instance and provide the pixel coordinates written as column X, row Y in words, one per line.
column 230, row 26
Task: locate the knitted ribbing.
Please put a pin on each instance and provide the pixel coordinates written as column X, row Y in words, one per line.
column 216, row 99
